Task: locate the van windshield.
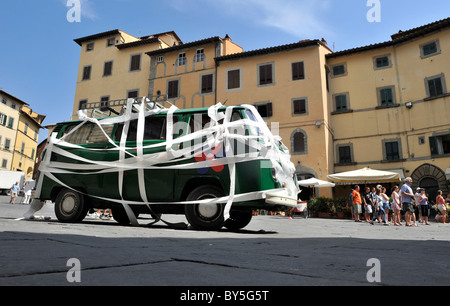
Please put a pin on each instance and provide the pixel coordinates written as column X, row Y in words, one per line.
column 88, row 133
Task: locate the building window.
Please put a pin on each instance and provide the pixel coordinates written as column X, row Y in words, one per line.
column 90, row 47
column 440, row 144
column 299, row 106
column 234, row 79
column 381, row 62
column 3, row 119
column 341, row 102
column 13, row 105
column 264, row 109
column 386, row 96
column 4, row 101
column 345, row 154
column 299, row 142
column 107, row 68
column 33, row 151
column 82, row 104
column 7, row 143
column 206, row 84
column 111, row 42
column 430, row 49
column 132, row 94
column 25, row 130
column 10, row 122
column 298, row 71
column 135, row 62
column 86, row 73
column 265, row 74
column 199, row 56
column 435, row 86
column 4, row 163
column 391, row 149
column 172, row 89
column 181, row 60
column 160, row 59
column 22, row 148
column 339, row 70
column 104, row 103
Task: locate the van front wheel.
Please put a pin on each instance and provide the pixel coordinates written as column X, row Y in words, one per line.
column 70, row 206
column 205, row 216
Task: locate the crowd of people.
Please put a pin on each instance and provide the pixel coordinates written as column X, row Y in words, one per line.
column 375, row 204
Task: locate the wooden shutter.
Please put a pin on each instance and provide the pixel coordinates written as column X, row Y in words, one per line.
column 298, row 71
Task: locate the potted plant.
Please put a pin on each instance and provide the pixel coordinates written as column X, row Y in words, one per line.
column 325, row 207
column 341, row 205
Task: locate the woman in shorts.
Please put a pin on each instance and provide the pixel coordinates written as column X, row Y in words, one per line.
column 423, row 202
column 396, row 206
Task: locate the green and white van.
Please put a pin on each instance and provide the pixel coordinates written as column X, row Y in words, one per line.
column 214, row 165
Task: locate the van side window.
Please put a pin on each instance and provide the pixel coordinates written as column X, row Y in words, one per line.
column 155, row 129
column 88, row 133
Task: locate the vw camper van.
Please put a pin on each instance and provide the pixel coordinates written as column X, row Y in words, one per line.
column 214, row 165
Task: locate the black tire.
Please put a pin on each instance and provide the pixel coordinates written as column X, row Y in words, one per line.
column 208, row 217
column 70, row 206
column 121, row 216
column 238, row 220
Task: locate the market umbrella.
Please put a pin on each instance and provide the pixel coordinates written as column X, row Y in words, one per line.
column 313, row 182
column 365, row 175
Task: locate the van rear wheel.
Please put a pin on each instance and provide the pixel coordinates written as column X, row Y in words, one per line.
column 238, row 220
column 70, row 206
column 205, row 216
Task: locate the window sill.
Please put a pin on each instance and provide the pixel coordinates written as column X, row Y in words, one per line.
column 437, row 97
column 387, row 106
column 342, row 112
column 384, row 161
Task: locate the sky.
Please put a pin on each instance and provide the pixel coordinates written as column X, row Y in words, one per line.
column 39, row 59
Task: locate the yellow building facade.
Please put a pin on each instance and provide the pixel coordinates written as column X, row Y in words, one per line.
column 113, row 66
column 383, row 106
column 19, row 133
column 391, row 106
column 9, row 119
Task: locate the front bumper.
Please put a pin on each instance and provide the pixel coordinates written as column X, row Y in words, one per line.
column 281, row 198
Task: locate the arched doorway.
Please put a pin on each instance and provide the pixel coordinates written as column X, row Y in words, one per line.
column 432, row 179
column 304, row 173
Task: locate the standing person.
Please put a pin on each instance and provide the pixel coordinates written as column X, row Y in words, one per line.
column 385, row 199
column 423, row 202
column 407, row 200
column 396, row 206
column 378, row 209
column 417, row 202
column 14, row 192
column 356, row 200
column 441, row 206
column 368, row 204
column 350, row 197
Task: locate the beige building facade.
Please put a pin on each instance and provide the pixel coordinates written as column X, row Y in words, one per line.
column 113, row 66
column 19, row 133
column 383, row 106
column 391, row 106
